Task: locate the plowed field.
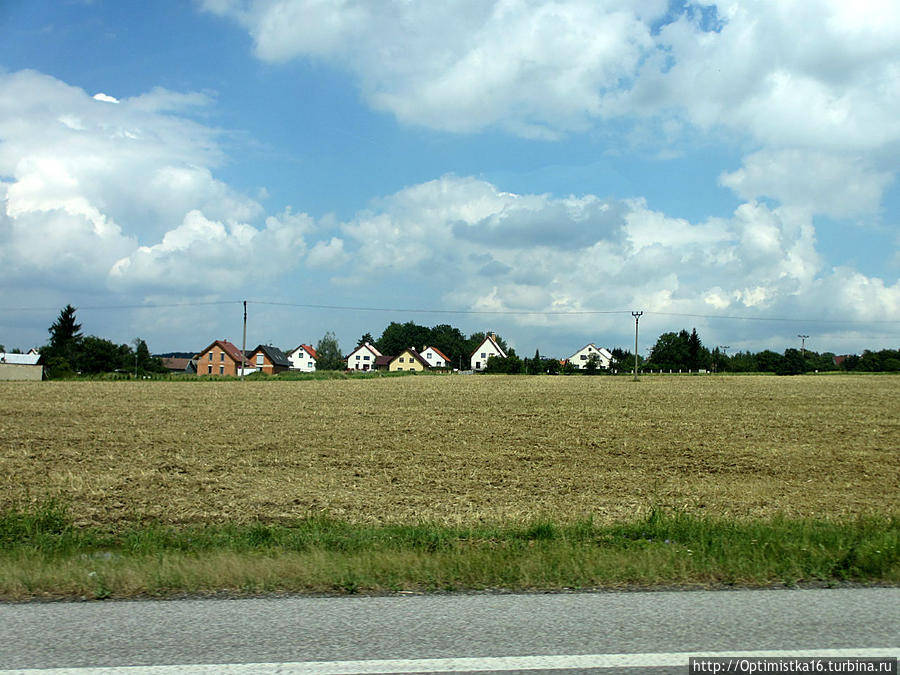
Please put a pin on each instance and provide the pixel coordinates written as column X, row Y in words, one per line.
column 453, row 449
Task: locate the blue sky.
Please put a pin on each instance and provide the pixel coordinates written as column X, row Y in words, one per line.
column 539, row 169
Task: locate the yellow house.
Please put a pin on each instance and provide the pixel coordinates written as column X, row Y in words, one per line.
column 409, row 359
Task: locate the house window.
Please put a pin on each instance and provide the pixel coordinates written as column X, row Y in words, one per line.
column 209, row 370
column 401, row 360
column 483, row 355
column 366, row 357
column 221, row 370
column 222, row 357
column 583, row 357
column 260, row 359
column 210, row 356
column 309, row 365
column 357, row 357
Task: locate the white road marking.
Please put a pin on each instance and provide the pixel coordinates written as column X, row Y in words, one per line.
column 483, row 664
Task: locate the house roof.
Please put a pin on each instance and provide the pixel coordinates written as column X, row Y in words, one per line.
column 600, row 350
column 19, row 359
column 489, row 338
column 415, row 354
column 274, row 354
column 367, row 346
column 233, row 352
column 308, row 349
column 383, row 360
column 438, row 352
column 175, row 363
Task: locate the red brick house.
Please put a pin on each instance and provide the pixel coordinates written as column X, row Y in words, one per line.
column 220, row 358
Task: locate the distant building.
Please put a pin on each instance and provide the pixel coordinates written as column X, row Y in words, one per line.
column 220, row 358
column 408, row 359
column 175, row 364
column 486, row 350
column 435, row 357
column 303, row 358
column 269, row 359
column 21, row 366
column 581, row 358
column 363, row 357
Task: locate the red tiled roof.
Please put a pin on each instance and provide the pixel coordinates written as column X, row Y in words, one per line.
column 226, row 347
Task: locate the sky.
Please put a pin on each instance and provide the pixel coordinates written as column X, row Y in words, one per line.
column 539, row 169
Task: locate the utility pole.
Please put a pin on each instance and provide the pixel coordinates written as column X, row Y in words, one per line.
column 637, row 317
column 803, row 345
column 244, row 345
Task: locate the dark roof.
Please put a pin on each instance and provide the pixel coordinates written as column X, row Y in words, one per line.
column 274, row 354
column 383, row 360
column 175, row 364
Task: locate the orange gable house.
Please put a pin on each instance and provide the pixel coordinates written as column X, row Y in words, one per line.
column 220, row 358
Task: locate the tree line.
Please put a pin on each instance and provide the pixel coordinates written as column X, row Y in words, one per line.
column 685, row 351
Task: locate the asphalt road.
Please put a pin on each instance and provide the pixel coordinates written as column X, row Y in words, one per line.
column 578, row 632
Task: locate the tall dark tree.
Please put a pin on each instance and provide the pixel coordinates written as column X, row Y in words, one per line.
column 61, row 354
column 329, row 354
column 366, row 337
column 65, row 334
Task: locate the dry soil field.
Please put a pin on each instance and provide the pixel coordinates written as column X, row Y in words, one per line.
column 453, row 449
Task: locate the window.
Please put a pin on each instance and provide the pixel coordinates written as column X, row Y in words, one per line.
column 401, row 360
column 222, row 357
column 366, row 357
column 209, row 368
column 221, row 370
column 309, row 364
column 260, row 359
column 583, row 357
column 210, row 356
column 357, row 357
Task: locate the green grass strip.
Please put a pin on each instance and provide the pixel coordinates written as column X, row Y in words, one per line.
column 42, row 554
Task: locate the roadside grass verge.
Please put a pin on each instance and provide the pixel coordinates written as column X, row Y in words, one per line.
column 44, row 555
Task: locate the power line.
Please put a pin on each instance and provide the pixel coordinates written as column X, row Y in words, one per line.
column 150, row 305
column 441, row 311
column 486, row 312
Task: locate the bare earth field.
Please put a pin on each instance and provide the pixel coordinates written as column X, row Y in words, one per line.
column 453, row 449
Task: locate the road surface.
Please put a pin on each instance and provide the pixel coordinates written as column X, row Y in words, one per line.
column 576, row 632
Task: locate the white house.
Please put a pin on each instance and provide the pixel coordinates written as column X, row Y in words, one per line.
column 303, row 358
column 580, row 358
column 363, row 357
column 435, row 357
column 486, row 350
